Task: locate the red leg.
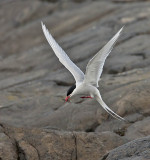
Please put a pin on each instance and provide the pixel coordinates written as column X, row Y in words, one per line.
column 86, row 97
column 89, row 97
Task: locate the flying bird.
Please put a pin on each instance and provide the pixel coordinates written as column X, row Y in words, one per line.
column 86, row 84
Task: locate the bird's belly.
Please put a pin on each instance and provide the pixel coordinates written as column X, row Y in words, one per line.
column 85, row 90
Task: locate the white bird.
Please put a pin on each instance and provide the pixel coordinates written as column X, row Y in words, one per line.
column 85, row 84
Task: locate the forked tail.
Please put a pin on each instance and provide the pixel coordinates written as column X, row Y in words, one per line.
column 102, row 103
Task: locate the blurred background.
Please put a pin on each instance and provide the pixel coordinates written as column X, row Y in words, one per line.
column 33, row 83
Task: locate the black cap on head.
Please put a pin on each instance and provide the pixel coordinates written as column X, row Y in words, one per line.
column 71, row 89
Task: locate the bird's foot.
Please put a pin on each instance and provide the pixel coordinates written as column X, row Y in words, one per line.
column 86, row 97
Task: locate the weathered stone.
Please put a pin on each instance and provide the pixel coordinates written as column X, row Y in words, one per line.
column 138, row 129
column 49, row 144
column 33, row 83
column 135, row 150
column 7, row 147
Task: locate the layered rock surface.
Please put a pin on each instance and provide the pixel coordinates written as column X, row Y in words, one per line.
column 138, row 149
column 37, row 144
column 30, row 144
column 33, row 83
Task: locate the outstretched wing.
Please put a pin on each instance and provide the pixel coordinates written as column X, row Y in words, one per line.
column 95, row 66
column 63, row 57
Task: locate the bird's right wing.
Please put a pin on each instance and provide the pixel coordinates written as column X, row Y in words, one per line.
column 102, row 103
column 95, row 66
column 63, row 57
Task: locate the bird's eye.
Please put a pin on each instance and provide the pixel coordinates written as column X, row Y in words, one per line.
column 71, row 89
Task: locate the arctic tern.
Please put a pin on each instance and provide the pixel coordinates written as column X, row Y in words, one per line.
column 86, row 84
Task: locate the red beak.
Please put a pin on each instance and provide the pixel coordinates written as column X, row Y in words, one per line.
column 67, row 98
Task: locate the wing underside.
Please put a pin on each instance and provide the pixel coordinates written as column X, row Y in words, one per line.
column 63, row 57
column 95, row 66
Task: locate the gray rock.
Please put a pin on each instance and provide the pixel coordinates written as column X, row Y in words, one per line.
column 135, row 150
column 138, row 129
column 7, row 149
column 49, row 144
column 33, row 83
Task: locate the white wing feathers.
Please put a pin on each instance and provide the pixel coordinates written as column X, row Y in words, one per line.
column 63, row 58
column 95, row 66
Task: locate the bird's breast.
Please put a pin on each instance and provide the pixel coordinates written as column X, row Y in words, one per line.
column 85, row 89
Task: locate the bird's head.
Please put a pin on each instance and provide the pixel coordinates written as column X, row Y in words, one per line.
column 69, row 92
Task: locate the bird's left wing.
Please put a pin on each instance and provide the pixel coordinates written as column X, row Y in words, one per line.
column 95, row 66
column 63, row 57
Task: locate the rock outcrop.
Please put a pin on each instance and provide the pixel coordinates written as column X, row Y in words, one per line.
column 37, row 144
column 138, row 149
column 33, row 83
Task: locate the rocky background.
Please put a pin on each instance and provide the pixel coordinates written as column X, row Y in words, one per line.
column 35, row 121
